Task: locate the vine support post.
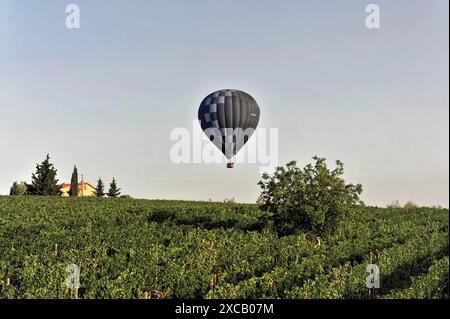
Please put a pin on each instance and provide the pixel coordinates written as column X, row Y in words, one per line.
column 370, row 289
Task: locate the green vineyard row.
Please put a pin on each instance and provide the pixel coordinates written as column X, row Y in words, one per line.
column 434, row 284
column 173, row 249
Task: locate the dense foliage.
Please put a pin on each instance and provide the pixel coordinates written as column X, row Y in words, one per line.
column 74, row 183
column 100, row 189
column 311, row 198
column 18, row 189
column 114, row 191
column 129, row 248
column 43, row 181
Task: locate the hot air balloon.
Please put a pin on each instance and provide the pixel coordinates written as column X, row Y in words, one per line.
column 228, row 118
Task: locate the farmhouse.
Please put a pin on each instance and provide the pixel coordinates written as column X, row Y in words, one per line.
column 84, row 189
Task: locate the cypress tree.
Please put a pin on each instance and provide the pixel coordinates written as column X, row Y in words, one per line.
column 100, row 188
column 114, row 191
column 74, row 183
column 44, row 182
column 14, row 189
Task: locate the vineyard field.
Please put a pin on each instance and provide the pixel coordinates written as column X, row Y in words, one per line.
column 129, row 248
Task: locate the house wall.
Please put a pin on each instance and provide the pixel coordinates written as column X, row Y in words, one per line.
column 65, row 191
column 86, row 191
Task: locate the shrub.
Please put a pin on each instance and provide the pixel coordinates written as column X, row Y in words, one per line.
column 309, row 199
column 125, row 196
column 18, row 189
column 394, row 204
column 410, row 205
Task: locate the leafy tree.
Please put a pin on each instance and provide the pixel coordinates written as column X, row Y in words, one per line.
column 44, row 182
column 18, row 189
column 114, row 191
column 13, row 190
column 410, row 205
column 309, row 199
column 229, row 200
column 100, row 190
column 394, row 204
column 74, row 183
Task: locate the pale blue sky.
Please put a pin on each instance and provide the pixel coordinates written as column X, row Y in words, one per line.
column 106, row 97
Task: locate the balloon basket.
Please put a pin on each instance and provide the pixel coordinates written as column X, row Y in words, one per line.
column 230, row 165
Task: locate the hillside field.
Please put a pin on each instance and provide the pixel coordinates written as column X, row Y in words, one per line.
column 128, row 248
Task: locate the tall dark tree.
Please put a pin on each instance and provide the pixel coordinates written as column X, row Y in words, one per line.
column 14, row 189
column 100, row 191
column 114, row 191
column 74, row 183
column 44, row 182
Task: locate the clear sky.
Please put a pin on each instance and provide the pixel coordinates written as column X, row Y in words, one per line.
column 106, row 96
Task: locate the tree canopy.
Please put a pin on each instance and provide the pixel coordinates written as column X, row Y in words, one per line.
column 74, row 183
column 307, row 199
column 100, row 190
column 43, row 181
column 114, row 191
column 18, row 189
